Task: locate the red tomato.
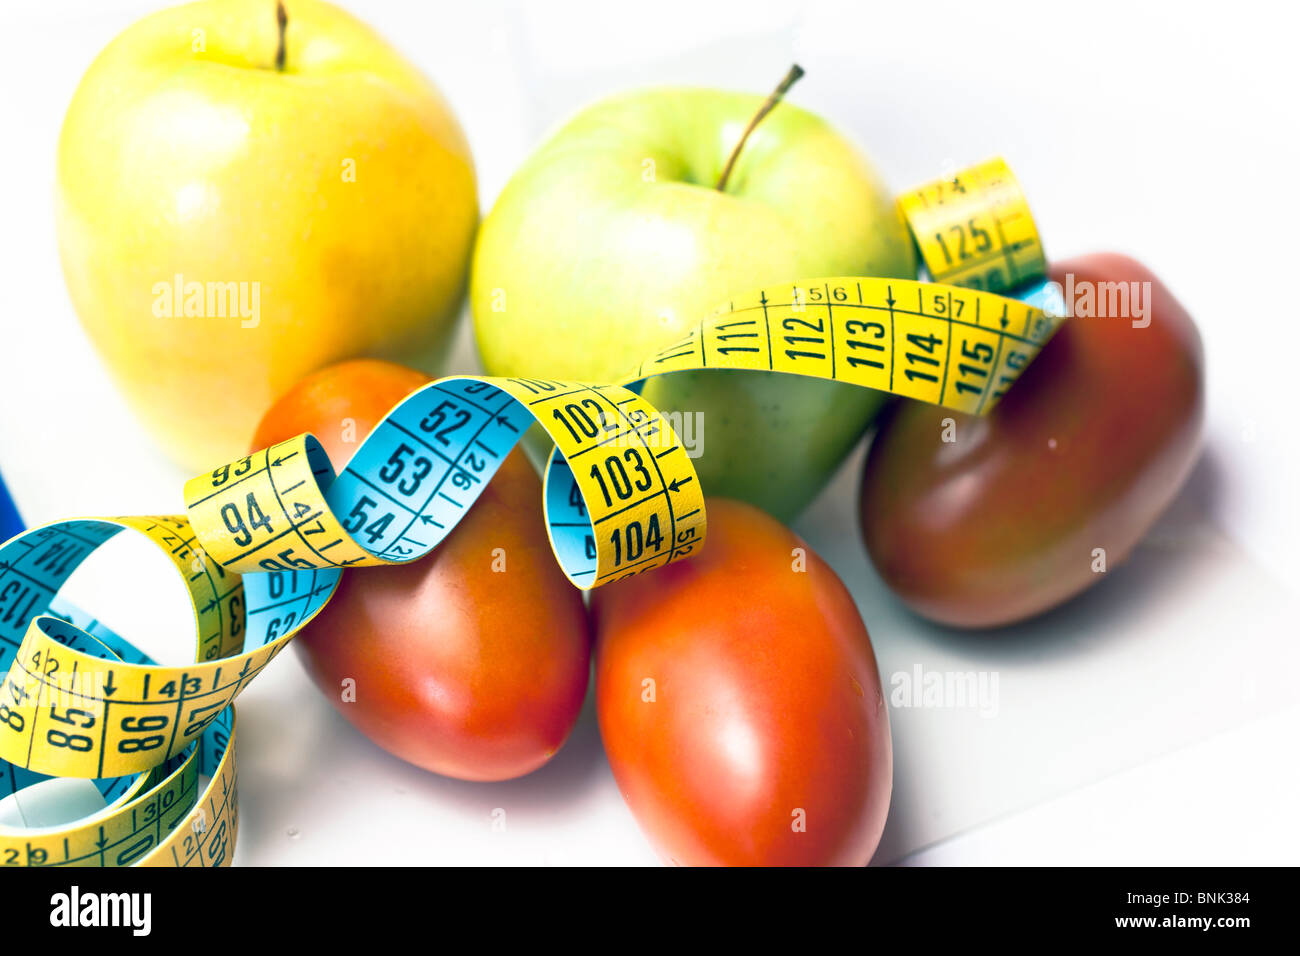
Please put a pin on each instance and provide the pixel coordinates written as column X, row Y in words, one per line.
column 1083, row 453
column 461, row 669
column 740, row 704
column 340, row 405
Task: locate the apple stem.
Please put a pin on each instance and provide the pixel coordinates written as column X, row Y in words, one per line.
column 282, row 23
column 791, row 78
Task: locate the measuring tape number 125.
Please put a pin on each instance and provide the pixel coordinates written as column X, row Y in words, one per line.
column 265, row 539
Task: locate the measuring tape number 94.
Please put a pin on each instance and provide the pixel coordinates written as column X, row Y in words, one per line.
column 265, row 538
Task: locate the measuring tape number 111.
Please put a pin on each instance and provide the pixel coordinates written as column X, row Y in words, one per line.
column 265, row 539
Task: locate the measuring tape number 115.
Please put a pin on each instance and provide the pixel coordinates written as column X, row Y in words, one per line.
column 265, row 539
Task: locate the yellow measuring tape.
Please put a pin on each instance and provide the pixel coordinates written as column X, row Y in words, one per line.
column 265, row 538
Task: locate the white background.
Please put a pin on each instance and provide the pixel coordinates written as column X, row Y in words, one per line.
column 1152, row 721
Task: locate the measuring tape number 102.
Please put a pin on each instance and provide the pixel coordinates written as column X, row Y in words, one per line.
column 265, row 539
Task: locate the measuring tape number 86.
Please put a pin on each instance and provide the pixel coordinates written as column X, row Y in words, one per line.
column 265, row 539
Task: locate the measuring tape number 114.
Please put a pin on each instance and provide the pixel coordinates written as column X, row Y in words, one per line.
column 265, row 539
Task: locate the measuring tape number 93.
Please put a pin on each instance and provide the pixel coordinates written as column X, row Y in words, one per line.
column 265, row 539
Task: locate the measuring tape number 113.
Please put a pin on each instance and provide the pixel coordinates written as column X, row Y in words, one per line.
column 265, row 539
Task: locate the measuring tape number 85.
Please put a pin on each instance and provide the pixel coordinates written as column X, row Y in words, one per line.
column 265, row 538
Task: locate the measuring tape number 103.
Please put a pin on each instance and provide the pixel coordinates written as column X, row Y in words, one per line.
column 265, row 539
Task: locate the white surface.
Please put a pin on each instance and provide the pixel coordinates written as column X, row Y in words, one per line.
column 1151, row 721
column 1214, row 804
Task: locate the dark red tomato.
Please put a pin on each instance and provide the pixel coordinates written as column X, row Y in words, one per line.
column 472, row 662
column 340, row 405
column 1083, row 453
column 740, row 704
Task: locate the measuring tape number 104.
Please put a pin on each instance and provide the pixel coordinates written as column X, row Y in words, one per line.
column 265, row 538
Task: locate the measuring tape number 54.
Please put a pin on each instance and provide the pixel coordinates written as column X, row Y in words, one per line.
column 265, row 539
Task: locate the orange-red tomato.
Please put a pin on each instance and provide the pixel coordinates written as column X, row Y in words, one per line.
column 472, row 662
column 340, row 404
column 740, row 704
column 1016, row 513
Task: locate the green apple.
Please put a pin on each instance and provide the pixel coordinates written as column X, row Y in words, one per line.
column 244, row 198
column 612, row 240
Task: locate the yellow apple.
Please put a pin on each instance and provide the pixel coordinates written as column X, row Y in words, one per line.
column 243, row 198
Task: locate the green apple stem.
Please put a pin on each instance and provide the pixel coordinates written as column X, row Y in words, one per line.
column 791, row 78
column 282, row 23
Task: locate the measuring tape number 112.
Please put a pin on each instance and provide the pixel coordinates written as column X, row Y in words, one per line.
column 265, row 539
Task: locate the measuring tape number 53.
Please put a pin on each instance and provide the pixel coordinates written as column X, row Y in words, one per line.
column 265, row 538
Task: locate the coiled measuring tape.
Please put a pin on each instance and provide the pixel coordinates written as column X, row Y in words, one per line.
column 266, row 538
